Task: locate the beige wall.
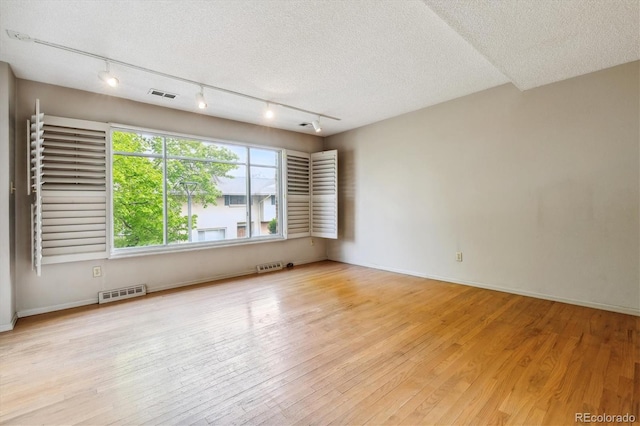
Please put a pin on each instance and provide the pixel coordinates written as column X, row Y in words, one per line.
column 71, row 284
column 7, row 216
column 538, row 189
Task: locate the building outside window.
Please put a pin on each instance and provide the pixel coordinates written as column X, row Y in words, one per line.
column 173, row 191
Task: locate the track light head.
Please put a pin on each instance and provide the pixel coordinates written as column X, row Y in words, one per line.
column 268, row 113
column 202, row 103
column 316, row 126
column 108, row 78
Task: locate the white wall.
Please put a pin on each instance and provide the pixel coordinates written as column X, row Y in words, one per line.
column 219, row 216
column 538, row 189
column 7, row 217
column 228, row 217
column 71, row 284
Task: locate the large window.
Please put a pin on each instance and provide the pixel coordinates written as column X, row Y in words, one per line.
column 170, row 191
column 138, row 192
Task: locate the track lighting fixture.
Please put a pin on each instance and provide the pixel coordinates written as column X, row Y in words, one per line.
column 107, row 77
column 112, row 81
column 316, row 126
column 202, row 104
column 268, row 113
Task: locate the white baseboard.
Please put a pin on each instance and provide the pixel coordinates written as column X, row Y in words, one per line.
column 46, row 309
column 60, row 307
column 587, row 304
column 9, row 326
column 221, row 277
column 197, row 281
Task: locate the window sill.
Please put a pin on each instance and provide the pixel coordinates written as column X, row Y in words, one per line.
column 148, row 251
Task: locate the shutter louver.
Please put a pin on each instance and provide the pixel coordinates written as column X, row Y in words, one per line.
column 70, row 208
column 298, row 194
column 324, row 194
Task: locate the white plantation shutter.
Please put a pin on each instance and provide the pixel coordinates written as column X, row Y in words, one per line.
column 311, row 194
column 297, row 202
column 36, row 149
column 324, row 194
column 70, row 201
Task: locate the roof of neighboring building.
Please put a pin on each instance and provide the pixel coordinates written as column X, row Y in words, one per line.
column 238, row 186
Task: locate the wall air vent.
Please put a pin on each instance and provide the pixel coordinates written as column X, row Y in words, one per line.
column 162, row 94
column 269, row 267
column 122, row 293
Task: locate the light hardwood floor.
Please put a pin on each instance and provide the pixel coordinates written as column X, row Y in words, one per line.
column 326, row 343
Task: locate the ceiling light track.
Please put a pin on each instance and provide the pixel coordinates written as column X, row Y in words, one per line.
column 24, row 37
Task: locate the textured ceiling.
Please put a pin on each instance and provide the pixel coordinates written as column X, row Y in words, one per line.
column 359, row 60
column 539, row 42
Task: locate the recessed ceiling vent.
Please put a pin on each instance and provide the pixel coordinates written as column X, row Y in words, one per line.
column 162, row 94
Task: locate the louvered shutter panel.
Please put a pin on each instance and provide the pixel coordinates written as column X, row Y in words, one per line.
column 70, row 214
column 297, row 194
column 324, row 194
column 36, row 149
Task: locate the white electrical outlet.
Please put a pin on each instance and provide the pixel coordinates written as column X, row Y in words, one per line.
column 458, row 256
column 97, row 272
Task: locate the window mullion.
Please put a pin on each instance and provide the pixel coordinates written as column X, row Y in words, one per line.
column 249, row 203
column 280, row 201
column 165, row 235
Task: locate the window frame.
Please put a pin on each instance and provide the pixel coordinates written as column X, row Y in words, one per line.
column 220, row 228
column 228, row 203
column 195, row 245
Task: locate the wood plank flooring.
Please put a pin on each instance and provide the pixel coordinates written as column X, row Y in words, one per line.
column 326, row 343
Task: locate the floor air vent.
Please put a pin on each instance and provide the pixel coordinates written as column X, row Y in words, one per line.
column 268, row 267
column 122, row 293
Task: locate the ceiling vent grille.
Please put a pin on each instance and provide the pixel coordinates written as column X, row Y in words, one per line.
column 269, row 267
column 122, row 293
column 161, row 94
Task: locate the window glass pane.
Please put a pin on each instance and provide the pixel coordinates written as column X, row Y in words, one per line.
column 137, row 201
column 264, row 213
column 264, row 157
column 206, row 186
column 136, row 143
column 197, row 193
column 177, row 147
column 235, row 200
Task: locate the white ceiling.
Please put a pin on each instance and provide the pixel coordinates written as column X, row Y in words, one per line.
column 359, row 60
column 539, row 42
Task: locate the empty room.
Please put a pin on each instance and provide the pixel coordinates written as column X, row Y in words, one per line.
column 347, row 212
